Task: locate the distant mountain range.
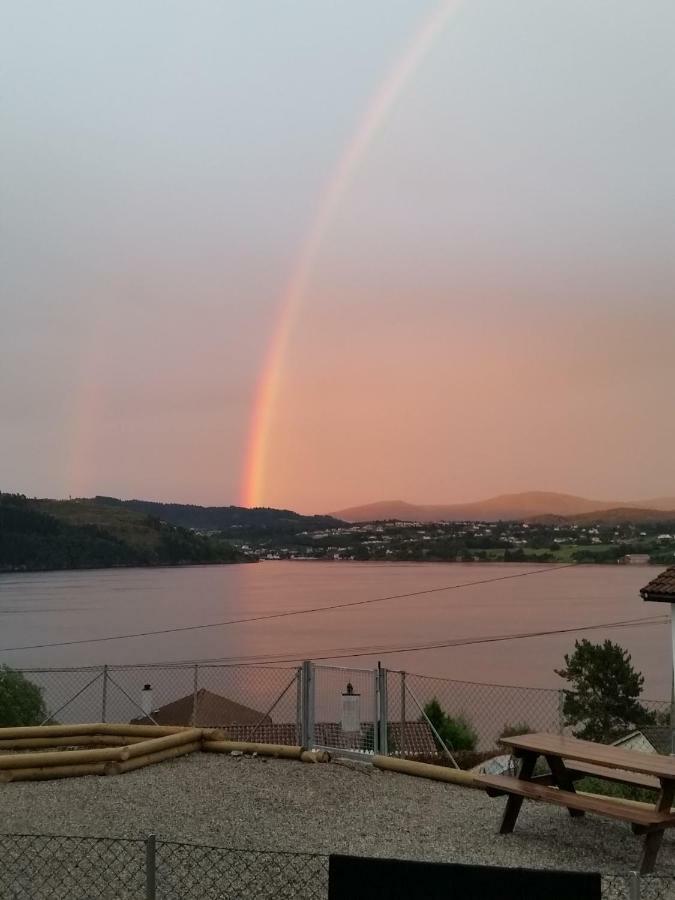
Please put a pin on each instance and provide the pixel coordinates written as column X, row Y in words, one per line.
column 520, row 507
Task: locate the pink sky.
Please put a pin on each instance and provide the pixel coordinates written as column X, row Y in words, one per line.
column 487, row 308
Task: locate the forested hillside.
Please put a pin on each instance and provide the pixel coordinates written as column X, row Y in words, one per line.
column 226, row 519
column 79, row 534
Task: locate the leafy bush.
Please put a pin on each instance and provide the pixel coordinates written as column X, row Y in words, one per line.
column 511, row 730
column 21, row 701
column 456, row 732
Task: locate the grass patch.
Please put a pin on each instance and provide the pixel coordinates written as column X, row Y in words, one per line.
column 613, row 789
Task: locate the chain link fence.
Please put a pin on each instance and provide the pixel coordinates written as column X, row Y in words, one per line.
column 42, row 867
column 53, row 867
column 187, row 871
column 250, row 703
column 490, row 708
column 354, row 710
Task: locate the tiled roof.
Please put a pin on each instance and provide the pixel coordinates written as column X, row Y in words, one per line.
column 419, row 739
column 661, row 588
column 267, row 733
column 212, row 710
column 241, row 723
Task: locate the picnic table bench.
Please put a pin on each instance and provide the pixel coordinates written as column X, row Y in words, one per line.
column 570, row 759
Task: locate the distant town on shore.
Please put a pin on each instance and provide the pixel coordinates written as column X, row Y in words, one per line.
column 102, row 532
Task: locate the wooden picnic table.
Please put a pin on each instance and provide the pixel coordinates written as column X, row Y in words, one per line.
column 570, row 759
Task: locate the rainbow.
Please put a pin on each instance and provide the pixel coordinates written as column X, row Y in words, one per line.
column 374, row 116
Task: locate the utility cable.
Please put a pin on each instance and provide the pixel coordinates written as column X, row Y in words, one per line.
column 370, row 650
column 281, row 615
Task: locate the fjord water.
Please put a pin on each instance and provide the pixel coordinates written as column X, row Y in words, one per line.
column 65, row 606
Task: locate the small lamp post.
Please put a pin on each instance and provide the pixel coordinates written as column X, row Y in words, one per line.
column 662, row 590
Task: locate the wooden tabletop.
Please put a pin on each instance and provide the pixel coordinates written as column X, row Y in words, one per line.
column 602, row 755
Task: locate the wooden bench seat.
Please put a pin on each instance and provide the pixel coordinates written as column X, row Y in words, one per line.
column 570, row 759
column 621, row 776
column 612, row 807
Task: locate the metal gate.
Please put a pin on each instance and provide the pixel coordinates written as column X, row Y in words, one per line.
column 343, row 709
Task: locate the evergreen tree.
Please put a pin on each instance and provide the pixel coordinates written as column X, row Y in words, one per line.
column 603, row 700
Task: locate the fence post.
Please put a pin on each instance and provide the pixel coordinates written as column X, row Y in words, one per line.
column 672, row 717
column 633, row 886
column 402, row 748
column 151, row 867
column 104, row 695
column 298, row 705
column 307, row 731
column 383, row 711
column 195, row 691
column 376, row 710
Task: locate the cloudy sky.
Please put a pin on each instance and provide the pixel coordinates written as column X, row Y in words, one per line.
column 490, row 305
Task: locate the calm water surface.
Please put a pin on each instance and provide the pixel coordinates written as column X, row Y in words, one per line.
column 42, row 608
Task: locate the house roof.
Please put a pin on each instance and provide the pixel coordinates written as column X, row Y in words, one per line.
column 661, row 588
column 212, row 710
column 242, row 723
column 419, row 739
column 660, row 737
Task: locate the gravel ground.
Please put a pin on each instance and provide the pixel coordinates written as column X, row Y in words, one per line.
column 252, row 803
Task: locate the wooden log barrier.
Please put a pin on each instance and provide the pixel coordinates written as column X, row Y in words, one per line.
column 62, row 757
column 157, row 745
column 43, row 731
column 281, row 751
column 148, row 759
column 147, row 731
column 75, row 740
column 120, row 729
column 425, row 770
column 48, row 772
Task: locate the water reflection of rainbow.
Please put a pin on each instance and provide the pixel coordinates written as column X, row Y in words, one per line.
column 374, row 116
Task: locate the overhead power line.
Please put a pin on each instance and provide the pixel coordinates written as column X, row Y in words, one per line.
column 386, row 649
column 281, row 615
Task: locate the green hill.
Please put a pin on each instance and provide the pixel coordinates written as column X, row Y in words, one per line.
column 235, row 520
column 39, row 535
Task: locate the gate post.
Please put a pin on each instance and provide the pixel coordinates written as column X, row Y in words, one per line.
column 307, row 729
column 376, row 710
column 195, row 694
column 298, row 705
column 104, row 695
column 403, row 689
column 634, row 885
column 383, row 711
column 150, row 867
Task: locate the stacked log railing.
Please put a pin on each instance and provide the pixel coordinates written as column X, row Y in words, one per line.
column 40, row 752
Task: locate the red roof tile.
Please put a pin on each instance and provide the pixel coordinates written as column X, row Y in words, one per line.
column 212, row 710
column 419, row 739
column 661, row 588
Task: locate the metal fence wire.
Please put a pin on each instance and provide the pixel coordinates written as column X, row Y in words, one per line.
column 55, row 867
column 186, row 871
column 490, row 709
column 350, row 709
column 47, row 867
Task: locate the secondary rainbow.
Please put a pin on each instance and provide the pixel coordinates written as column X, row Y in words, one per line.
column 374, row 116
